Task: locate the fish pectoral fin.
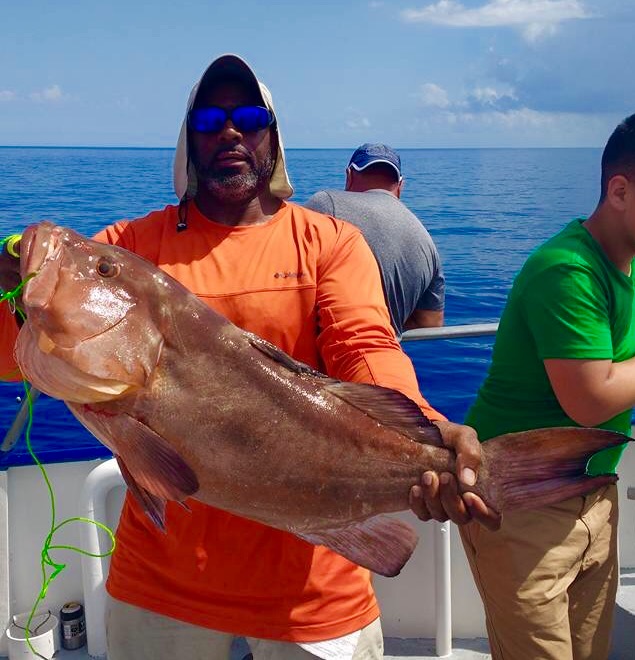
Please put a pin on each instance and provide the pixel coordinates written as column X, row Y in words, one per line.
column 152, row 505
column 154, row 464
column 280, row 356
column 389, row 407
column 381, row 544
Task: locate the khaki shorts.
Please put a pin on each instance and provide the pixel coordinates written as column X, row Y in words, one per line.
column 137, row 634
column 548, row 579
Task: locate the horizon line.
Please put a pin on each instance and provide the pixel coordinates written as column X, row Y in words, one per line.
column 146, row 148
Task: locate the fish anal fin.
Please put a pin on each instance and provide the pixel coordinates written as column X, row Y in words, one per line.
column 152, row 505
column 154, row 464
column 278, row 355
column 381, row 544
column 391, row 408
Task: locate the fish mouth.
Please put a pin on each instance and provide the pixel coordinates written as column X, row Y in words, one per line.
column 38, row 243
column 56, row 266
column 40, row 247
column 76, row 338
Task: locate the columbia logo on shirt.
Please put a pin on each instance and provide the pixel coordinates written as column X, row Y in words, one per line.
column 285, row 274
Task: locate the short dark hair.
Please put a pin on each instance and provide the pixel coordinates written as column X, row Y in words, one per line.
column 382, row 169
column 619, row 154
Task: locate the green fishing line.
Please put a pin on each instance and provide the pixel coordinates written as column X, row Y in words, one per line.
column 46, row 560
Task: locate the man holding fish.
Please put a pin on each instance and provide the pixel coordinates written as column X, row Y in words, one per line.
column 308, row 284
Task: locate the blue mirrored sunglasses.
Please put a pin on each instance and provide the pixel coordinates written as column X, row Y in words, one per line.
column 246, row 118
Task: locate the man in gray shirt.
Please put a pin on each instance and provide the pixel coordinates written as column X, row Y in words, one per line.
column 410, row 266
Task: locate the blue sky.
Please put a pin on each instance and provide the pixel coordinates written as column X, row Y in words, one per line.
column 411, row 73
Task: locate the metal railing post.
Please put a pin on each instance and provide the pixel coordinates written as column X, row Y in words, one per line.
column 443, row 589
column 15, row 430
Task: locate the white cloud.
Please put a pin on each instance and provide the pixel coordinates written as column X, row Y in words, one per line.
column 535, row 18
column 50, row 94
column 7, row 95
column 433, row 96
column 481, row 99
column 536, row 31
column 358, row 122
column 521, row 118
column 486, row 95
column 489, row 96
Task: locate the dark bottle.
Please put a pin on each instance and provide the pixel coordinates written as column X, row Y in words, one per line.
column 73, row 625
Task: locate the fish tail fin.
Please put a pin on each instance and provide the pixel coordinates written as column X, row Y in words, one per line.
column 536, row 468
column 381, row 543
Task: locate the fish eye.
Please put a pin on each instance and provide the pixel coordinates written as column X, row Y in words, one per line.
column 107, row 268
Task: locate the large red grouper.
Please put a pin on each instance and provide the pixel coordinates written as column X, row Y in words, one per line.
column 193, row 406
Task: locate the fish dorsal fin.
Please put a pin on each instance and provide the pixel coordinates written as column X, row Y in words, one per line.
column 153, row 506
column 283, row 358
column 389, row 407
column 154, row 464
column 381, row 544
column 383, row 404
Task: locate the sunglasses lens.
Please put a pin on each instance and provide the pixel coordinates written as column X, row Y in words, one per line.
column 251, row 118
column 207, row 120
column 246, row 118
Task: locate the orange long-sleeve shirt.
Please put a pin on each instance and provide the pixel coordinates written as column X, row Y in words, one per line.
column 309, row 284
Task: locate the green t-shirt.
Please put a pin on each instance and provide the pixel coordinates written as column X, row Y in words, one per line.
column 568, row 302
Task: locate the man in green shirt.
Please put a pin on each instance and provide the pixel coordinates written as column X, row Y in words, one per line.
column 563, row 356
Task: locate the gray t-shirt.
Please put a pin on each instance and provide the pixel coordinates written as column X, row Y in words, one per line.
column 410, row 265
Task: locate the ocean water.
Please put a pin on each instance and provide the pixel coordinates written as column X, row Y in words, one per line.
column 486, row 209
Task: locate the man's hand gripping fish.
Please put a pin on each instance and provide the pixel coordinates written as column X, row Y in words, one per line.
column 193, row 406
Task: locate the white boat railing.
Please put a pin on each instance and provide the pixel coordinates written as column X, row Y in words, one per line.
column 92, row 504
column 451, row 332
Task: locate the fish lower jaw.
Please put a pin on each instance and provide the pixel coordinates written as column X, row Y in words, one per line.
column 45, row 343
column 87, row 393
column 111, row 390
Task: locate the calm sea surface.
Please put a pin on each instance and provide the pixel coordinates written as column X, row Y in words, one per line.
column 485, row 208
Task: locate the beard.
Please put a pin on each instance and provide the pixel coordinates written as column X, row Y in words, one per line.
column 229, row 186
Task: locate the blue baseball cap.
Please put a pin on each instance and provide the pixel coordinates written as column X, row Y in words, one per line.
column 371, row 154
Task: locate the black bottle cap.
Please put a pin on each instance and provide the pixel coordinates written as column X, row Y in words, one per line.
column 71, row 611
